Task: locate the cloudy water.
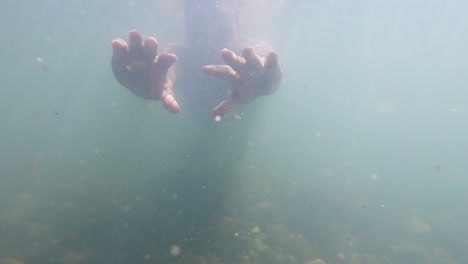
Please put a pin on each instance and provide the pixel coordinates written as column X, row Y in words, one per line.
column 358, row 157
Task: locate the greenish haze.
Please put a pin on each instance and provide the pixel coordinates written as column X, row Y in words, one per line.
column 359, row 157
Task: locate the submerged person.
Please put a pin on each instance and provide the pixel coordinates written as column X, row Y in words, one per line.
column 210, row 49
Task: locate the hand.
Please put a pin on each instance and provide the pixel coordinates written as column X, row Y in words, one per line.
column 250, row 77
column 138, row 67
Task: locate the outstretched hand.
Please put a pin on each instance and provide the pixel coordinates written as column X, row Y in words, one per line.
column 250, row 77
column 138, row 67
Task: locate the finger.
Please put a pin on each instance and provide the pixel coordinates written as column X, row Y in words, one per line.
column 252, row 58
column 223, row 108
column 271, row 61
column 119, row 57
column 169, row 102
column 221, row 71
column 231, row 59
column 165, row 61
column 150, row 47
column 135, row 41
column 273, row 69
column 119, row 47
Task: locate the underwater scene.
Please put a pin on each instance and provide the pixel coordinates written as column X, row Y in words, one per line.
column 233, row 132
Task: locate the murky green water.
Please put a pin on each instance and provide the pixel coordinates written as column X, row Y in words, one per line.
column 359, row 157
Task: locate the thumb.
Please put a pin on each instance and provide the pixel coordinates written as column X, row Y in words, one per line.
column 169, row 102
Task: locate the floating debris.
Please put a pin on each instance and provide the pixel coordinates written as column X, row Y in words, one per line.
column 417, row 225
column 147, row 257
column 256, row 230
column 175, row 250
column 43, row 67
column 341, row 256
